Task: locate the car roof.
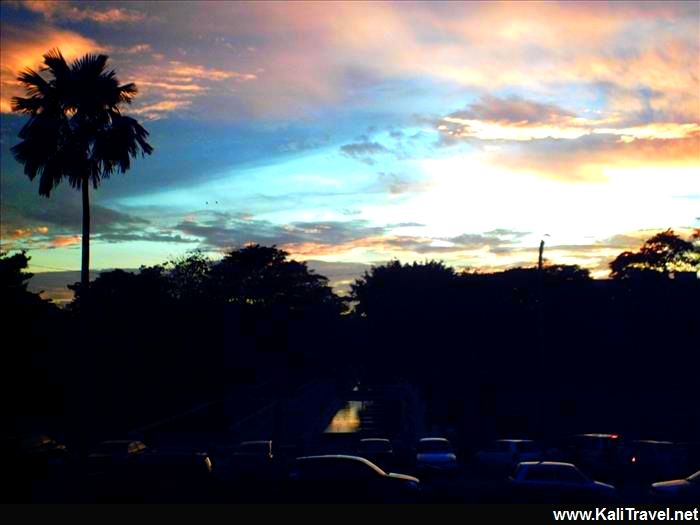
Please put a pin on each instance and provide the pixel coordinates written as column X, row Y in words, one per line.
column 433, row 439
column 652, row 442
column 375, row 440
column 341, row 456
column 546, row 464
column 334, row 456
column 258, row 442
column 599, row 436
column 514, row 441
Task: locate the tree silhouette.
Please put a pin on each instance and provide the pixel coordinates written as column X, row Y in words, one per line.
column 13, row 284
column 262, row 277
column 26, row 312
column 76, row 130
column 551, row 273
column 12, row 275
column 397, row 287
column 189, row 278
column 661, row 255
column 117, row 291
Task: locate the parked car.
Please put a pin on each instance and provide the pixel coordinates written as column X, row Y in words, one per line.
column 255, row 450
column 109, row 455
column 377, row 450
column 507, row 453
column 249, row 460
column 677, row 490
column 435, row 455
column 557, row 482
column 340, row 478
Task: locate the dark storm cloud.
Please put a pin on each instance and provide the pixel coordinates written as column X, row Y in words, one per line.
column 148, row 236
column 37, row 226
column 68, row 216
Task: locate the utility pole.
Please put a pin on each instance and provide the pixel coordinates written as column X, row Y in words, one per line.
column 540, row 343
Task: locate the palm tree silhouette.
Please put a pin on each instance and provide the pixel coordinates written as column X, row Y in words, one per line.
column 76, row 130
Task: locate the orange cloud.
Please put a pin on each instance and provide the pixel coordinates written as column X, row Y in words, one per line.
column 163, row 86
column 24, row 49
column 157, row 110
column 65, row 240
column 204, row 73
column 174, row 85
column 386, row 245
column 590, row 161
column 21, row 233
column 168, row 86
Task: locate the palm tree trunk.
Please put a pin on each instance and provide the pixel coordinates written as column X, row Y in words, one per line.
column 85, row 266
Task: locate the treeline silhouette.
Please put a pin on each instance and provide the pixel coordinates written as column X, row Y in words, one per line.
column 519, row 352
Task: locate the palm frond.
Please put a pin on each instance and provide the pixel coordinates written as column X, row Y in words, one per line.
column 127, row 92
column 115, row 146
column 33, row 82
column 32, row 104
column 90, row 65
column 75, row 130
column 57, row 65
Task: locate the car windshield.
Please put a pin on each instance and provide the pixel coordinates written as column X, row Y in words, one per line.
column 570, row 475
column 540, row 474
column 559, row 473
column 434, row 447
column 596, row 443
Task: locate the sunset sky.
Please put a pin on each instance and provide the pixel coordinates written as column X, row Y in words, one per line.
column 355, row 133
